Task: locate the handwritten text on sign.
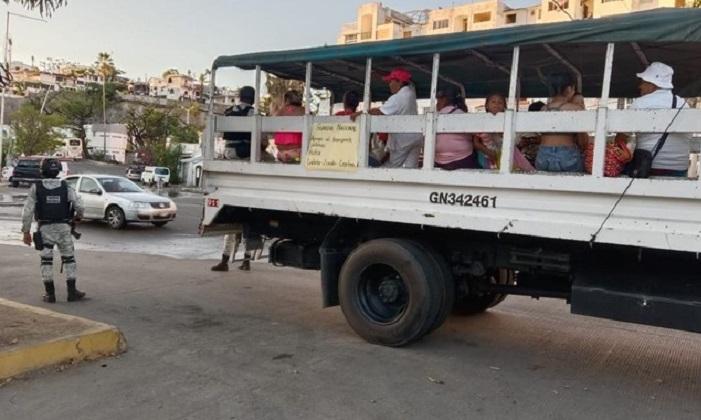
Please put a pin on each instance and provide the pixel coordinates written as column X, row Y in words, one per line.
column 333, row 147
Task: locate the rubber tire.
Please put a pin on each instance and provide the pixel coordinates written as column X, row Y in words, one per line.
column 123, row 222
column 159, row 224
column 15, row 184
column 471, row 305
column 416, row 269
column 445, row 281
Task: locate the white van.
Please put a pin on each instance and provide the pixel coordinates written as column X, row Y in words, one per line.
column 153, row 174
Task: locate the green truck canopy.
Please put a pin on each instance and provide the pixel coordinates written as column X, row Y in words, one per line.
column 480, row 60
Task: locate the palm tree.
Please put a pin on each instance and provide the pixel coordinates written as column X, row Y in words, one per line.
column 46, row 7
column 203, row 77
column 104, row 66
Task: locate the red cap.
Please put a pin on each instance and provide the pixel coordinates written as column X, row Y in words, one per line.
column 399, row 75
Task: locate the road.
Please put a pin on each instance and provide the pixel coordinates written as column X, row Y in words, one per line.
column 207, row 345
column 178, row 239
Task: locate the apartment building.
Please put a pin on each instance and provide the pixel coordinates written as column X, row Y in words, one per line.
column 376, row 22
column 175, row 86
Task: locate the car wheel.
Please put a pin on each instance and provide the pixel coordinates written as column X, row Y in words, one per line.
column 159, row 224
column 115, row 217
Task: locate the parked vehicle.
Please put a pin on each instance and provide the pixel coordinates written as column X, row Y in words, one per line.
column 119, row 201
column 134, row 174
column 399, row 249
column 153, row 174
column 7, row 172
column 28, row 170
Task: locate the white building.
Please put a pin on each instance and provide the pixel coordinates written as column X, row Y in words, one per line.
column 112, row 138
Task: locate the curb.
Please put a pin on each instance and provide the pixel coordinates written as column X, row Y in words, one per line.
column 95, row 341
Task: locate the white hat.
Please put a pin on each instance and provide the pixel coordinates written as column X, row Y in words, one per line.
column 659, row 74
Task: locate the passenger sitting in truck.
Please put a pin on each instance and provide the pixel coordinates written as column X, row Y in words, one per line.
column 489, row 144
column 656, row 93
column 351, row 100
column 529, row 142
column 404, row 148
column 237, row 145
column 453, row 150
column 562, row 152
column 289, row 144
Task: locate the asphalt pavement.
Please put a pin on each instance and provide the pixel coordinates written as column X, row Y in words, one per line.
column 235, row 345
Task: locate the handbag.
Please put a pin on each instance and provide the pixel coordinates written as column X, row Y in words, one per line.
column 641, row 165
column 616, row 157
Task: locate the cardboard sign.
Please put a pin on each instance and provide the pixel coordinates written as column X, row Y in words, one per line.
column 333, row 147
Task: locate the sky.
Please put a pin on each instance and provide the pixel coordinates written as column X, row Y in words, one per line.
column 146, row 37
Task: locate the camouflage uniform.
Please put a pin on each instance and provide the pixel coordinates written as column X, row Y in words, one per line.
column 53, row 234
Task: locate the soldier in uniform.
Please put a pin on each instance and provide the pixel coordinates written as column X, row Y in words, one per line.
column 55, row 206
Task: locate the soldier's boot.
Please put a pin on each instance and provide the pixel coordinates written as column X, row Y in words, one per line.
column 223, row 264
column 246, row 264
column 73, row 293
column 50, row 295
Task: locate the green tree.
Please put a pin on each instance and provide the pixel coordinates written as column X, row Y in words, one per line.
column 78, row 108
column 46, row 7
column 34, row 132
column 149, row 130
column 185, row 133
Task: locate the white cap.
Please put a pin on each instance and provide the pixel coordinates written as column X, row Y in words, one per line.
column 659, row 74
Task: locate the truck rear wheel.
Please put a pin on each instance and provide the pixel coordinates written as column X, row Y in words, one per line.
column 388, row 291
column 470, row 302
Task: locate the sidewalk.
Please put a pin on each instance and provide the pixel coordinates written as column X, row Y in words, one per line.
column 33, row 338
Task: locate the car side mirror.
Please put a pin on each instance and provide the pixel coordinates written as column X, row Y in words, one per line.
column 96, row 192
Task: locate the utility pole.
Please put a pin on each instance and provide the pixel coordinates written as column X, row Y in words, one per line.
column 2, row 98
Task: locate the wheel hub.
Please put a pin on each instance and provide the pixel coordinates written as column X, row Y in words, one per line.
column 389, row 290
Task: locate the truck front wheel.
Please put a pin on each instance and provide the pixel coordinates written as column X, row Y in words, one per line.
column 388, row 291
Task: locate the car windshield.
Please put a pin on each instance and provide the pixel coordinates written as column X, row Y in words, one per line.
column 161, row 171
column 118, row 185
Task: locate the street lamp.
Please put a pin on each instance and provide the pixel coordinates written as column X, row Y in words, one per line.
column 6, row 60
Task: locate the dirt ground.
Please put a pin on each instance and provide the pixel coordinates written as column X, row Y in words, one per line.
column 20, row 328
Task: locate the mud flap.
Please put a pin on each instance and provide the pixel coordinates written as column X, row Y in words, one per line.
column 659, row 290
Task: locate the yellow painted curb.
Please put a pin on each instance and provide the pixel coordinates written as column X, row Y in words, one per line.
column 97, row 340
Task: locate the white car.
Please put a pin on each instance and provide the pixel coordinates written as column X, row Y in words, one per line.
column 153, row 174
column 119, row 201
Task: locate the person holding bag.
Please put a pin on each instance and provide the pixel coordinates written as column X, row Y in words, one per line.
column 659, row 154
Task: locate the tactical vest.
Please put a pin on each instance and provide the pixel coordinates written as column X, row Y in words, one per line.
column 238, row 140
column 52, row 206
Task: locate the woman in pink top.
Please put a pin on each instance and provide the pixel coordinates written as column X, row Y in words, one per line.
column 453, row 150
column 289, row 144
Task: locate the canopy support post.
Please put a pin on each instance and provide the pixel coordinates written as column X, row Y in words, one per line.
column 602, row 115
column 563, row 60
column 507, row 147
column 256, row 134
column 640, row 53
column 323, row 71
column 365, row 134
column 208, row 150
column 424, row 70
column 431, row 118
column 489, row 61
column 307, row 113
